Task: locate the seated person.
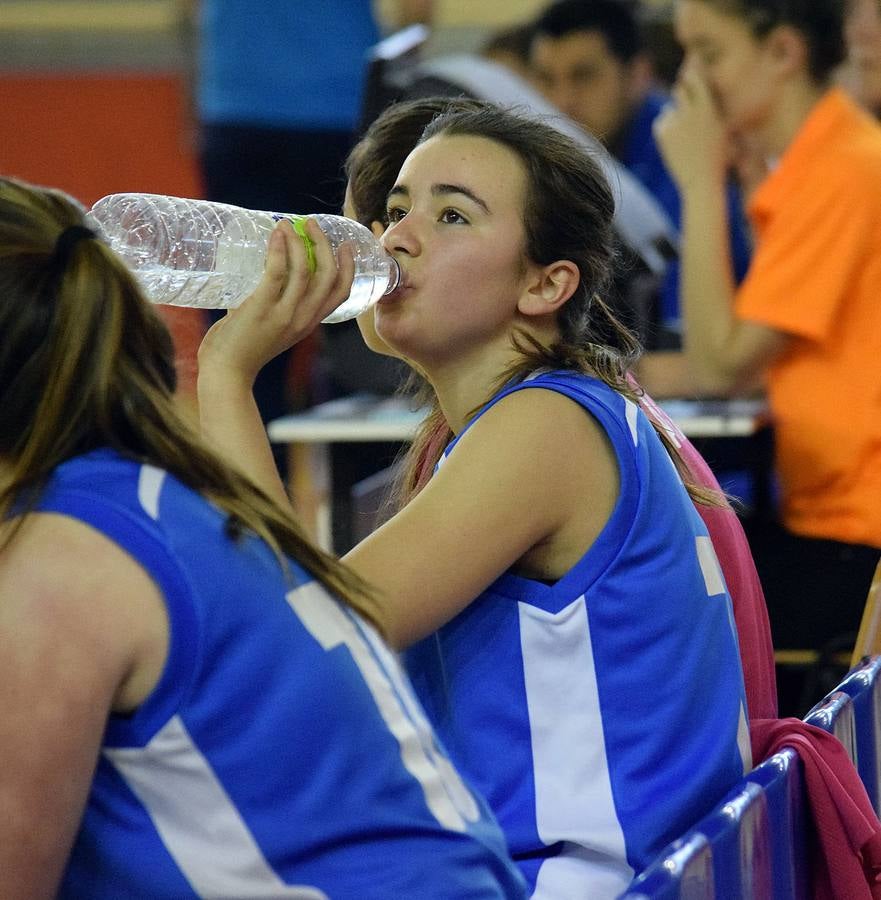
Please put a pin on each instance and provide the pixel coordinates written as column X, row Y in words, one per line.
column 195, row 703
column 371, row 170
column 558, row 596
column 806, row 321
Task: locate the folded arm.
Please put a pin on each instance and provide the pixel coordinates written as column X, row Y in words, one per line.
column 724, row 354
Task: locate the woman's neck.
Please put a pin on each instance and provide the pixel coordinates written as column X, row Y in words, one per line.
column 465, row 385
column 464, row 382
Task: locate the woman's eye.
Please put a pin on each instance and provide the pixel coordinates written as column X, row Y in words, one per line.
column 395, row 214
column 451, row 217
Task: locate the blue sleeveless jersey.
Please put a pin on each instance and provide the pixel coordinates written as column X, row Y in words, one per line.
column 282, row 753
column 603, row 714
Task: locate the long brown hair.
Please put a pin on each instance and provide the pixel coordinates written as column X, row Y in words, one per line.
column 85, row 362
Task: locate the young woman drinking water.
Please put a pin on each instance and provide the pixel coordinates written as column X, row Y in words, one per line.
column 564, row 617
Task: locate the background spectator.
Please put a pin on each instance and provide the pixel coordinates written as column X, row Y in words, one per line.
column 278, row 95
column 806, row 320
column 590, row 61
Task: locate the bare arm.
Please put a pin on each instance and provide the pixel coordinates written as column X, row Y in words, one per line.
column 513, row 490
column 79, row 640
column 665, row 373
column 287, row 305
column 725, row 354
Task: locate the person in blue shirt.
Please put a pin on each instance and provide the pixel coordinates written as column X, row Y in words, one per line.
column 558, row 599
column 196, row 702
column 589, row 60
column 277, row 93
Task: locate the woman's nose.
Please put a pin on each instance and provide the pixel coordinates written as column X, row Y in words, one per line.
column 402, row 237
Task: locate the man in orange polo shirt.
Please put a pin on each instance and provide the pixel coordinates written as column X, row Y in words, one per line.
column 806, row 321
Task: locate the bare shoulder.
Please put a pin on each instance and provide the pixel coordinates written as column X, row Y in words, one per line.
column 544, row 451
column 69, row 590
column 83, row 634
column 544, row 421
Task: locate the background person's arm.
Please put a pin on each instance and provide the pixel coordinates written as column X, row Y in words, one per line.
column 725, row 354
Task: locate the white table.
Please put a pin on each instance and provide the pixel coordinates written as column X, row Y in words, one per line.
column 365, row 418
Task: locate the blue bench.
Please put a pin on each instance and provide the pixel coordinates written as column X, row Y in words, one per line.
column 863, row 685
column 752, row 844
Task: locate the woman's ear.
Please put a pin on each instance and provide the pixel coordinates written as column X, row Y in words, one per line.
column 548, row 288
column 788, row 49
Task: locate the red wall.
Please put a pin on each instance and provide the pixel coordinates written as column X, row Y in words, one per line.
column 103, row 133
column 97, row 134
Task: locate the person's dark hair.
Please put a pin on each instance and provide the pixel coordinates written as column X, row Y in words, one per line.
column 374, row 162
column 616, row 20
column 821, row 22
column 85, row 362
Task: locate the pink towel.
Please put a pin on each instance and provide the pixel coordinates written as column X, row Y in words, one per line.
column 847, row 853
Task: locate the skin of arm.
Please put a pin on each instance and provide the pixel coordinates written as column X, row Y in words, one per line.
column 400, row 13
column 287, row 305
column 79, row 641
column 512, row 492
column 725, row 355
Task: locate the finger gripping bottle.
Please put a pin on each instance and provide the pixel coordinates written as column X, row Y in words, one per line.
column 211, row 255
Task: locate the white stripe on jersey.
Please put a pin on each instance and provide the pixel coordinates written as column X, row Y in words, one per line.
column 560, row 875
column 459, row 793
column 631, row 413
column 149, row 487
column 197, row 821
column 709, row 563
column 573, row 790
column 445, row 794
column 743, row 742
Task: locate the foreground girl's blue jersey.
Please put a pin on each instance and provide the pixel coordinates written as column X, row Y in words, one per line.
column 282, row 753
column 603, row 714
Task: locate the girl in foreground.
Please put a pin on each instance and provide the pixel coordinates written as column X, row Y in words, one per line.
column 187, row 709
column 565, row 619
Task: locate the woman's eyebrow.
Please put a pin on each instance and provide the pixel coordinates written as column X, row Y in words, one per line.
column 438, row 190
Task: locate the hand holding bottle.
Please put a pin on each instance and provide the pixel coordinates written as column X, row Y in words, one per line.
column 287, row 304
column 211, row 255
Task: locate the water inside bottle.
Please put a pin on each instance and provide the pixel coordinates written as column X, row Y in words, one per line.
column 366, row 289
column 202, row 290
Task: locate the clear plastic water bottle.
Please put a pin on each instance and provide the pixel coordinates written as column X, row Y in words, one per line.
column 210, row 255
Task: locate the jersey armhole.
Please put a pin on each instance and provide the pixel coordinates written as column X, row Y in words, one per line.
column 144, row 545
